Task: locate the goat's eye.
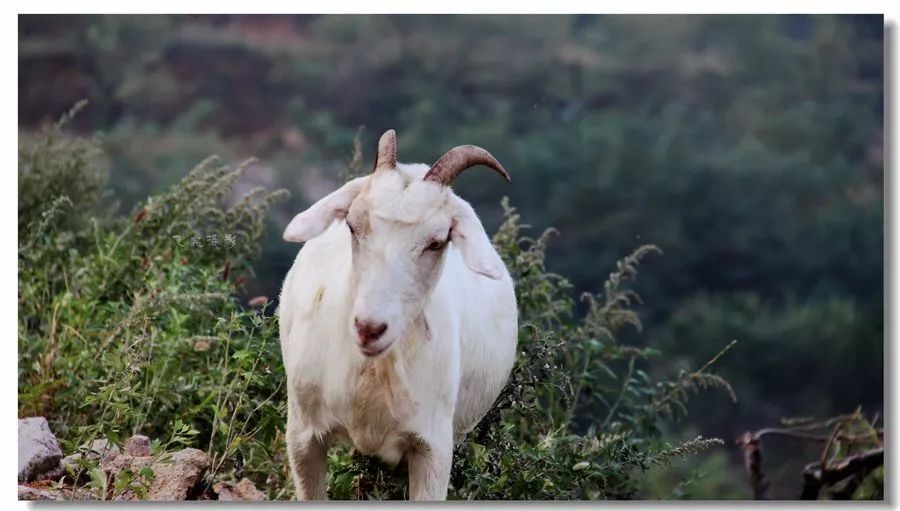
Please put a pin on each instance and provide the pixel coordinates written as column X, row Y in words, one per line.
column 436, row 245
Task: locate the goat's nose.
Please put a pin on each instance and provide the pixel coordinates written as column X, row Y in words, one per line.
column 369, row 331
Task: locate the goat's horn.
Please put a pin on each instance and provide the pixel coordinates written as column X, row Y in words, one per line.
column 387, row 151
column 460, row 158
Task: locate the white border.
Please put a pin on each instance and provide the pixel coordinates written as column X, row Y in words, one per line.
column 460, row 6
column 8, row 200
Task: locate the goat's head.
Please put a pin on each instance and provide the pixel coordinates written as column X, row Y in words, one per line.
column 400, row 219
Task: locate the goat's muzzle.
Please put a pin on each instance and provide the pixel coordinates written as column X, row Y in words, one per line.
column 367, row 333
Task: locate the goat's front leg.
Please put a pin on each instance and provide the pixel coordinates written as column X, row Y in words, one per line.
column 308, row 455
column 430, row 463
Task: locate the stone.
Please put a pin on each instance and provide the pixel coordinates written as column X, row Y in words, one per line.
column 138, row 445
column 243, row 490
column 29, row 493
column 179, row 476
column 39, row 451
column 47, row 490
column 99, row 449
column 54, row 474
column 115, row 465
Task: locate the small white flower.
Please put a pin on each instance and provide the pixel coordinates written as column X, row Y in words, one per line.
column 581, row 465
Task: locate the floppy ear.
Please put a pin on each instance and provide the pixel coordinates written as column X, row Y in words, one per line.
column 319, row 216
column 468, row 235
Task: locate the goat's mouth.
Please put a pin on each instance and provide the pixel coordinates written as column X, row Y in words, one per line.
column 373, row 351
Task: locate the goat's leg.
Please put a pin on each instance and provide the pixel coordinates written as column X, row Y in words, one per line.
column 308, row 458
column 430, row 463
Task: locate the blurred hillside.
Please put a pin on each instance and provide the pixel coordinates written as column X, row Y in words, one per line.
column 749, row 148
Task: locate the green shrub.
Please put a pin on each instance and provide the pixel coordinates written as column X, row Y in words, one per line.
column 131, row 325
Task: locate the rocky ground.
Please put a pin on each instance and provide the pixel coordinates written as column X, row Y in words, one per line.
column 102, row 471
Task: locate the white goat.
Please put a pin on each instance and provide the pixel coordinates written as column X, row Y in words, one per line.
column 398, row 321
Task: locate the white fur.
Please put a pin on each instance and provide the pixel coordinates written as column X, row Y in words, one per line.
column 446, row 375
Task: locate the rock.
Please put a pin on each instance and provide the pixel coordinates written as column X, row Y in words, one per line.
column 244, row 490
column 113, row 461
column 100, row 449
column 29, row 493
column 38, row 449
column 179, row 476
column 46, row 490
column 54, row 474
column 115, row 465
column 138, row 445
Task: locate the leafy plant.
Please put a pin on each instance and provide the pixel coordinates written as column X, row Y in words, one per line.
column 131, row 324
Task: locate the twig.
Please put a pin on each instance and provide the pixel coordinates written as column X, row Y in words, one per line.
column 831, row 438
column 842, row 477
column 753, row 464
column 750, row 444
column 802, row 435
column 681, row 384
column 625, row 382
column 809, row 426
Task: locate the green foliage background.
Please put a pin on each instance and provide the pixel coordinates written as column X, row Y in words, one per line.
column 126, row 328
column 748, row 147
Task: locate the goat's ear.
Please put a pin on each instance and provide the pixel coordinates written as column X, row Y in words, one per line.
column 468, row 235
column 319, row 216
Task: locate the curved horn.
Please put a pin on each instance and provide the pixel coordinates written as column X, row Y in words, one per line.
column 460, row 158
column 386, row 158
